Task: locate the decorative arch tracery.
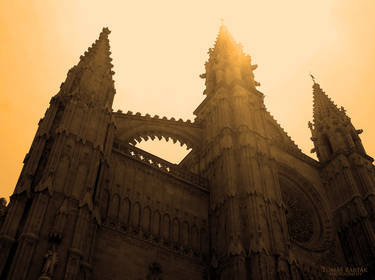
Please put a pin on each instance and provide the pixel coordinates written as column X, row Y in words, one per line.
column 300, row 213
column 307, row 214
column 135, row 128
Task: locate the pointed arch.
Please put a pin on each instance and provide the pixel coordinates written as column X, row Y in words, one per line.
column 136, row 216
column 125, row 212
column 185, row 234
column 176, row 231
column 156, row 220
column 166, row 228
column 195, row 242
column 146, row 220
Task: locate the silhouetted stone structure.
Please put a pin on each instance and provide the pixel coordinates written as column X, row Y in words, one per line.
column 245, row 203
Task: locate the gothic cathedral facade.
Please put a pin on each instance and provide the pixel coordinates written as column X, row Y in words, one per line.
column 245, row 203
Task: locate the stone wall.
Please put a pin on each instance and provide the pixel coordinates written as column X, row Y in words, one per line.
column 151, row 214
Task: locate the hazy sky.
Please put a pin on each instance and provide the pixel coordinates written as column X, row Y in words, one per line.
column 159, row 49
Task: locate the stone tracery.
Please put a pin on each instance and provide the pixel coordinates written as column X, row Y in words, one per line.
column 230, row 206
column 309, row 223
column 133, row 128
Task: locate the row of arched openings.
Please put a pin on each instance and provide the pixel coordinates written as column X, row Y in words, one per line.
column 153, row 224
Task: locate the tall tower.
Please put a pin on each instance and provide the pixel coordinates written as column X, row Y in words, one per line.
column 60, row 175
column 348, row 177
column 249, row 235
column 245, row 203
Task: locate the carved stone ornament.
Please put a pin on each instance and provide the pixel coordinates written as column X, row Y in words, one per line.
column 46, row 183
column 50, row 261
column 300, row 213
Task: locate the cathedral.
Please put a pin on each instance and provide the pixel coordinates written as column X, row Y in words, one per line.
column 245, row 203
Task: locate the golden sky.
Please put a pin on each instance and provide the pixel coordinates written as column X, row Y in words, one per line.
column 159, row 49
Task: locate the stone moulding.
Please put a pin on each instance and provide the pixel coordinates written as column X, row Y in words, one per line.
column 161, row 165
column 134, row 128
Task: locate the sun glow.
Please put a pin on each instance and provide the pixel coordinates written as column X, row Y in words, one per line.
column 159, row 49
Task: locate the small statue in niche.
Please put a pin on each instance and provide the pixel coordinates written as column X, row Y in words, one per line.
column 154, row 272
column 50, row 262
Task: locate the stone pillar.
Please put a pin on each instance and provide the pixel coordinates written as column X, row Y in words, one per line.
column 29, row 238
column 9, row 228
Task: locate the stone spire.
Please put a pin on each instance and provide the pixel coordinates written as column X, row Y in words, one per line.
column 91, row 79
column 225, row 43
column 227, row 64
column 323, row 106
column 332, row 130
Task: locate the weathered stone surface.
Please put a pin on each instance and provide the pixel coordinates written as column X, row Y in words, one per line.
column 245, row 203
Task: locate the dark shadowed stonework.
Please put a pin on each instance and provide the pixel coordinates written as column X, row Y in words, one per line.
column 245, row 203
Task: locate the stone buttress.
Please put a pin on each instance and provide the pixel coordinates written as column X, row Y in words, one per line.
column 52, row 206
column 249, row 234
column 228, row 210
column 348, row 177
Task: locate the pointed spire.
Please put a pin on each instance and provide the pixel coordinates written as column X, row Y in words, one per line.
column 227, row 64
column 91, row 79
column 99, row 52
column 323, row 106
column 225, row 41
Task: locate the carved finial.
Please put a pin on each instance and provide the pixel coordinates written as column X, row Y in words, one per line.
column 313, row 78
column 106, row 30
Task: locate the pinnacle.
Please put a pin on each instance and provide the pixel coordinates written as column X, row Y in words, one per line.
column 106, row 30
column 323, row 106
column 225, row 40
column 227, row 65
column 91, row 79
column 99, row 52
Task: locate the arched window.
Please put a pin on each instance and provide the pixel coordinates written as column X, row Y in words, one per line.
column 146, row 220
column 125, row 212
column 185, row 234
column 176, row 231
column 156, row 224
column 166, row 228
column 302, row 219
column 136, row 216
